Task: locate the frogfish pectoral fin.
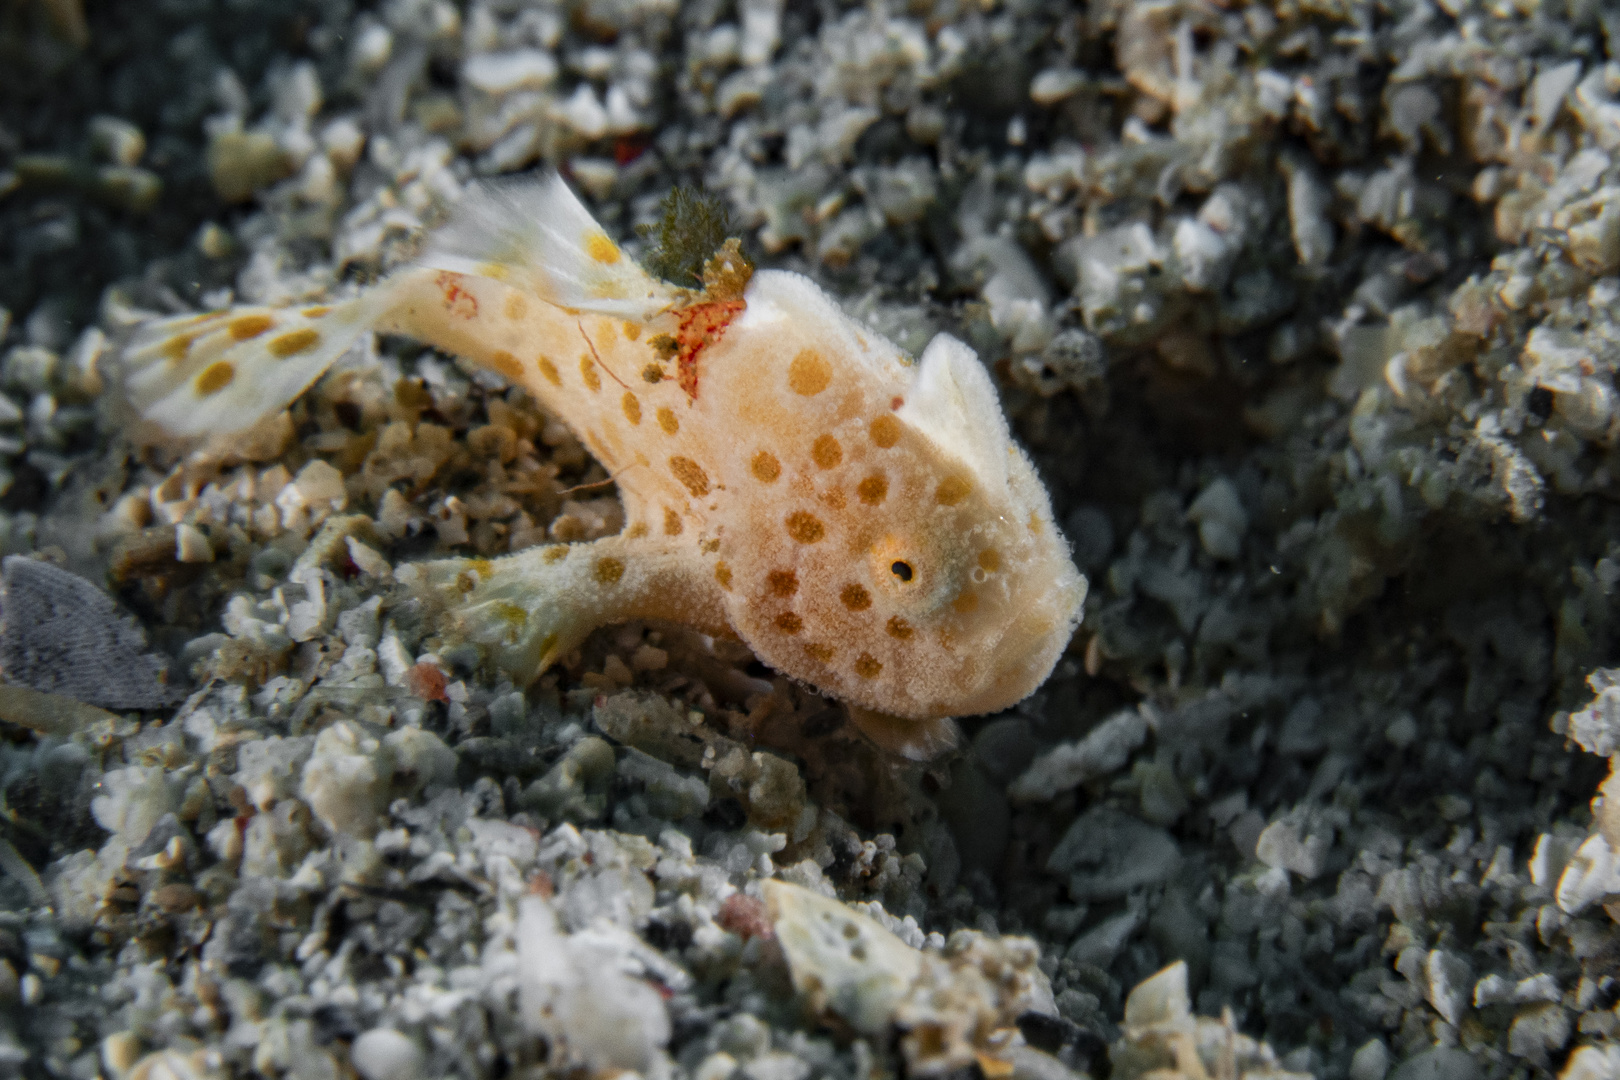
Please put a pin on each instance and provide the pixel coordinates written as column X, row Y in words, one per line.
column 526, row 611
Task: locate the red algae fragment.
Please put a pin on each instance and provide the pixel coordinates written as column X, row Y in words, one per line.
column 427, row 682
column 746, row 917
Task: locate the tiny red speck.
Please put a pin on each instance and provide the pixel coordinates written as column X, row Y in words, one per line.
column 897, row 402
column 427, row 682
column 746, row 917
column 626, row 150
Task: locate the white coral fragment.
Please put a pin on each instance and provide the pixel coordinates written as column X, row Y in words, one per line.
column 1222, row 522
column 843, row 961
column 1592, row 873
column 1162, row 1038
column 1283, row 848
column 956, row 1008
column 385, row 1054
column 343, row 783
column 581, row 992
column 1105, row 749
column 505, row 72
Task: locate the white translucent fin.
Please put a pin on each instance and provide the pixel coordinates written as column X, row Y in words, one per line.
column 225, row 371
column 537, row 235
column 915, row 740
column 953, row 402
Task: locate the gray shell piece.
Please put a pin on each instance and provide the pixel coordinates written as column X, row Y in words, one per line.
column 62, row 635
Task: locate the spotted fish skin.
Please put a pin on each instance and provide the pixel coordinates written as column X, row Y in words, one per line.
column 862, row 520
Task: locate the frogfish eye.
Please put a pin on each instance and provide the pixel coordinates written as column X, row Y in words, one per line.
column 901, row 570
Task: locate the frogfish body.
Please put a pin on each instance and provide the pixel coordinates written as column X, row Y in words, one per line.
column 862, row 520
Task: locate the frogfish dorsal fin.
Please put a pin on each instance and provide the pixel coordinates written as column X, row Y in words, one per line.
column 536, row 235
column 953, row 402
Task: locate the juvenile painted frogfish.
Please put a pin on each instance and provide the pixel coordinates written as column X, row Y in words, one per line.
column 861, row 519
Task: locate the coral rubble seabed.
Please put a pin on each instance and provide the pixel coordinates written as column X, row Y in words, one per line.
column 1308, row 312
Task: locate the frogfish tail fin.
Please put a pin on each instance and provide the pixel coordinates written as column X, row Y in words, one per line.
column 223, row 372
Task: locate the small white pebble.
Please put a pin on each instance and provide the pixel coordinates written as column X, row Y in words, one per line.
column 319, row 482
column 583, row 112
column 385, row 1054
column 1549, row 858
column 649, row 658
column 1221, row 519
column 1275, row 91
column 1054, row 84
column 372, row 48
column 392, row 659
column 29, row 367
column 119, row 1052
column 85, row 356
column 1402, row 731
column 503, row 72
column 343, row 140
column 369, row 560
column 717, row 1066
column 1492, row 990
column 1370, row 1062
column 1280, row 846
column 191, row 546
column 117, row 141
column 616, row 669
column 394, row 514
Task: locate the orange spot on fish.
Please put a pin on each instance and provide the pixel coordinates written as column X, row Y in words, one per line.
column 293, row 342
column 246, row 327
column 805, row 528
column 809, row 373
column 885, row 431
column 215, row 378
column 952, row 490
column 691, row 475
column 176, row 348
column 507, row 364
column 601, row 249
